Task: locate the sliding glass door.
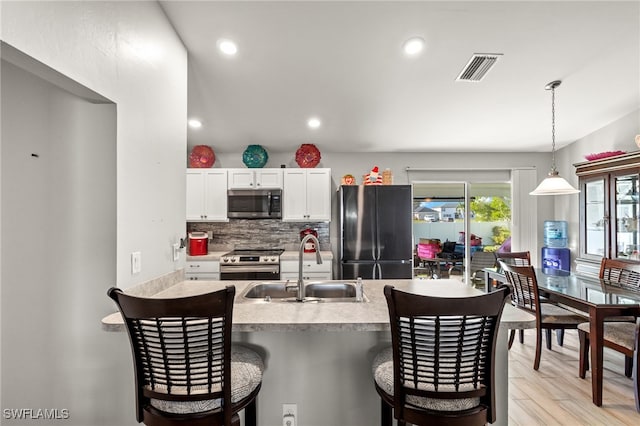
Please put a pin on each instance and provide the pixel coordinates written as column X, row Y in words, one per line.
column 465, row 217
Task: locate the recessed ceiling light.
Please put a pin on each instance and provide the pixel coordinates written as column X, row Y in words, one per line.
column 413, row 46
column 228, row 47
column 194, row 123
column 314, row 122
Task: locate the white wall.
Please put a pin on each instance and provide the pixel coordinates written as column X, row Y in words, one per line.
column 618, row 135
column 72, row 216
column 359, row 163
column 128, row 53
column 58, row 252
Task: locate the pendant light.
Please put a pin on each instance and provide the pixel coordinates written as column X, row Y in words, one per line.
column 553, row 184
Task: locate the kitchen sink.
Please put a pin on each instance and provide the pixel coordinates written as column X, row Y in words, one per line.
column 315, row 291
column 272, row 289
column 330, row 290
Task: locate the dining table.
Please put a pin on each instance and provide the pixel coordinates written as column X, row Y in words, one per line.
column 600, row 299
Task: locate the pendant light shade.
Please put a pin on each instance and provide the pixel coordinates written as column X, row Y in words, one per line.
column 553, row 184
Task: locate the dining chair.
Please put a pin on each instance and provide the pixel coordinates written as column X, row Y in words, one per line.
column 479, row 261
column 620, row 333
column 620, row 271
column 518, row 258
column 186, row 369
column 621, row 336
column 549, row 316
column 440, row 367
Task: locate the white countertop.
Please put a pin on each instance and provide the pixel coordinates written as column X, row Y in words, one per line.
column 372, row 315
column 211, row 256
column 286, row 255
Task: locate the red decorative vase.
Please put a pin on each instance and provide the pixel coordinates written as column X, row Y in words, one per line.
column 307, row 156
column 202, row 156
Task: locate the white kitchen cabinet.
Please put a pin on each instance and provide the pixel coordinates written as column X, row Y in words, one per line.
column 310, row 269
column 202, row 270
column 306, row 195
column 255, row 178
column 207, row 195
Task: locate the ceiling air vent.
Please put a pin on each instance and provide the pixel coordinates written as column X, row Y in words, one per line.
column 478, row 66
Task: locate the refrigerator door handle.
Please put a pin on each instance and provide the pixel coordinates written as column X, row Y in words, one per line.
column 379, row 271
column 377, row 230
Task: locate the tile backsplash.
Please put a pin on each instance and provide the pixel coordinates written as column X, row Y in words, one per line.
column 259, row 233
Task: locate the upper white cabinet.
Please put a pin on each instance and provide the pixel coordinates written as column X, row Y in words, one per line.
column 255, row 178
column 207, row 195
column 306, row 195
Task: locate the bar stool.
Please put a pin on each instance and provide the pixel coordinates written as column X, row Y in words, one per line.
column 186, row 370
column 440, row 367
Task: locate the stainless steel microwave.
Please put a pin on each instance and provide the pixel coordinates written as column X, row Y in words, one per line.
column 254, row 203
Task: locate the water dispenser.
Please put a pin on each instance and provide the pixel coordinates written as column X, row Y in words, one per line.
column 555, row 233
column 556, row 257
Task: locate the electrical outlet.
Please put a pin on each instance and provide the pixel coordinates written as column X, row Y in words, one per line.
column 136, row 262
column 176, row 251
column 289, row 414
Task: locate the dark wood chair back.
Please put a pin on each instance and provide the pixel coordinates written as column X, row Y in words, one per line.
column 517, row 258
column 620, row 271
column 524, row 287
column 181, row 349
column 444, row 348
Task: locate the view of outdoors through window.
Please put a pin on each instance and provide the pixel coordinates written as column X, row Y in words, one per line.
column 439, row 215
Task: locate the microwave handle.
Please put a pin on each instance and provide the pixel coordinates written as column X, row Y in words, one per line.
column 269, row 203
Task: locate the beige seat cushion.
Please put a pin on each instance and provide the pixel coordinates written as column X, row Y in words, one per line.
column 382, row 369
column 246, row 375
column 620, row 333
column 556, row 314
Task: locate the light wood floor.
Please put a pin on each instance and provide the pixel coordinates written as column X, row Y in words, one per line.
column 555, row 395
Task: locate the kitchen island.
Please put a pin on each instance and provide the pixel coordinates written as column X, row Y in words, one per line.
column 318, row 355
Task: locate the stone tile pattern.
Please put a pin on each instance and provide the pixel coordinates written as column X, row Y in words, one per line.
column 259, row 233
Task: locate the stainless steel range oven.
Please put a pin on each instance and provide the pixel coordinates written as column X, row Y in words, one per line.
column 251, row 264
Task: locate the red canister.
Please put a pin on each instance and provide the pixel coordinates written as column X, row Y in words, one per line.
column 309, row 246
column 198, row 243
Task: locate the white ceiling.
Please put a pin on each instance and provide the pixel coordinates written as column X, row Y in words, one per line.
column 342, row 61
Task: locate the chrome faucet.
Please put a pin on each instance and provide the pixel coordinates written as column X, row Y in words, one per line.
column 300, row 295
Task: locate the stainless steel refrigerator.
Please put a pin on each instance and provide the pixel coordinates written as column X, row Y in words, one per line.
column 376, row 240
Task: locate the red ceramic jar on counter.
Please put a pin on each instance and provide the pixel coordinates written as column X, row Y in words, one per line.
column 198, row 243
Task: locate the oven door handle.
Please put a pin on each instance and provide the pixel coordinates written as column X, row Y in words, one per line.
column 254, row 268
